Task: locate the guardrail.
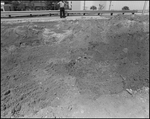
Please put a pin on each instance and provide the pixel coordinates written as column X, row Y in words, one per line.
column 68, row 12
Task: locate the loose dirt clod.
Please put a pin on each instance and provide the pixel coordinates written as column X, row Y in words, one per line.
column 49, row 68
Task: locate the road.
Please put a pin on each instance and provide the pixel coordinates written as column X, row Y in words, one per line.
column 47, row 18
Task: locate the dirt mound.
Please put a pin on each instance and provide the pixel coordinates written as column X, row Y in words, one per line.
column 42, row 62
column 129, row 17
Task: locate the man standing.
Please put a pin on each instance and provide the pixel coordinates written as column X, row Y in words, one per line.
column 62, row 9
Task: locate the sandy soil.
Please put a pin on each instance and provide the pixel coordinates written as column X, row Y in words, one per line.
column 75, row 68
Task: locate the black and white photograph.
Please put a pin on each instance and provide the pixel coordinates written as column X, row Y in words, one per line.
column 74, row 59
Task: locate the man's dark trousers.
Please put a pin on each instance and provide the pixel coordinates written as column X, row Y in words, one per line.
column 62, row 12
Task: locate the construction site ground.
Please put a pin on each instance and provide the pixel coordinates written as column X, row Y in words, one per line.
column 75, row 67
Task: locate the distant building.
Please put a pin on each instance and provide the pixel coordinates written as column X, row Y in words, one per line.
column 38, row 5
column 6, row 7
column 34, row 4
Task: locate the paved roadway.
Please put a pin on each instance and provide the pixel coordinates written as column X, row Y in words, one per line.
column 47, row 18
column 55, row 18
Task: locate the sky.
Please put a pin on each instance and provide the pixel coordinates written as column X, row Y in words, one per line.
column 137, row 5
column 116, row 5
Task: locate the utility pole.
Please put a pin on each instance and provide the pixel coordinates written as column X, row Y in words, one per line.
column 110, row 4
column 144, row 7
column 84, row 4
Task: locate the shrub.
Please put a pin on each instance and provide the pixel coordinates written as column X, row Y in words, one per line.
column 93, row 8
column 125, row 8
column 101, row 7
